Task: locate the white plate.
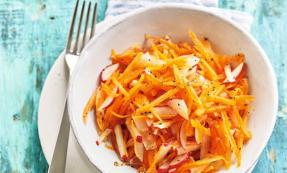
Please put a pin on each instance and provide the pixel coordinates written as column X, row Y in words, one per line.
column 173, row 20
column 50, row 115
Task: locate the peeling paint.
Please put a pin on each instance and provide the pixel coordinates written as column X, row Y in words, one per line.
column 272, row 156
column 32, row 35
column 40, row 9
column 283, row 113
column 4, row 162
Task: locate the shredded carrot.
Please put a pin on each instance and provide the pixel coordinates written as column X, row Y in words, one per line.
column 199, row 46
column 230, row 137
column 169, row 101
column 193, row 96
column 209, row 70
column 197, row 125
column 121, row 88
column 240, row 122
column 120, row 116
column 158, row 100
column 218, row 99
column 108, row 90
column 89, row 106
column 192, row 164
column 218, row 108
column 156, row 114
column 132, row 76
column 178, row 77
column 130, row 67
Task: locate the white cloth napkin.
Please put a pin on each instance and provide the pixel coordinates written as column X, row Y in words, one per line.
column 118, row 7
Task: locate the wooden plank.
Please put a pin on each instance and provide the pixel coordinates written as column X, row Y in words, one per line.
column 32, row 34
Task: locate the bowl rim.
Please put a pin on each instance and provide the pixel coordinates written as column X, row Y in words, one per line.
column 121, row 18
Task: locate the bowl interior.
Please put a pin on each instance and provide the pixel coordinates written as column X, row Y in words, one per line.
column 175, row 21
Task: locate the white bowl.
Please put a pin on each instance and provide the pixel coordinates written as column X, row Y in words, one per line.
column 175, row 21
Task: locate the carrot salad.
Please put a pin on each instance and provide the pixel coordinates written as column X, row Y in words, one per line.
column 173, row 107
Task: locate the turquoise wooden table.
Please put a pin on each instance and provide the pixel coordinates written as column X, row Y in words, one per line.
column 33, row 33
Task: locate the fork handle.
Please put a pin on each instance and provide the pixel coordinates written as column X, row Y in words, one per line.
column 58, row 163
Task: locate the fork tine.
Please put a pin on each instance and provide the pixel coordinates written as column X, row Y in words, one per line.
column 86, row 26
column 70, row 34
column 94, row 20
column 79, row 29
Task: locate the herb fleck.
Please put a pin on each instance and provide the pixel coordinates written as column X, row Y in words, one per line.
column 116, row 164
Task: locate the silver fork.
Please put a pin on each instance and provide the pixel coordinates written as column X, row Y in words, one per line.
column 58, row 163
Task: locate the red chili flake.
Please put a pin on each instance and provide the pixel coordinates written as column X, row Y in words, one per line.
column 124, row 158
column 98, row 143
column 139, row 139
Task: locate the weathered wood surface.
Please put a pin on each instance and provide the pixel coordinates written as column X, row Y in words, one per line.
column 33, row 33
